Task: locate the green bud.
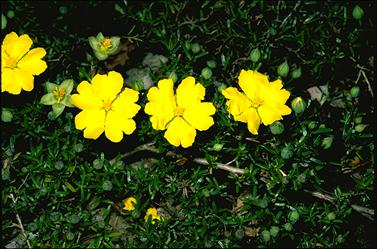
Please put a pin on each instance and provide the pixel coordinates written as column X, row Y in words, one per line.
column 74, row 219
column 59, row 165
column 97, row 163
column 3, row 22
column 331, row 216
column 312, row 125
column 173, row 76
column 206, row 73
column 10, row 14
column 357, row 12
column 293, row 216
column 274, row 231
column 69, row 235
column 327, row 142
column 266, row 236
column 296, row 73
column 217, row 147
column 277, row 128
column 107, row 185
column 298, row 105
column 6, row 115
column 63, row 10
column 358, row 120
column 195, row 48
column 211, row 64
column 288, row 227
column 286, row 152
column 283, row 69
column 360, row 127
column 240, row 233
column 272, row 31
column 221, row 87
column 355, row 91
column 255, row 55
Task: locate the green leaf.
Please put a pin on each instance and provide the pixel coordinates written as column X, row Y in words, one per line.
column 50, row 87
column 57, row 109
column 67, row 85
column 93, row 42
column 100, row 56
column 67, row 101
column 48, row 99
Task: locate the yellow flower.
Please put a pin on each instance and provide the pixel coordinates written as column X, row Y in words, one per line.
column 154, row 215
column 129, row 203
column 104, row 108
column 179, row 114
column 19, row 64
column 263, row 101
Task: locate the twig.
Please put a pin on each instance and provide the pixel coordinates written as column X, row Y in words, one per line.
column 222, row 166
column 20, row 223
column 367, row 81
column 143, row 147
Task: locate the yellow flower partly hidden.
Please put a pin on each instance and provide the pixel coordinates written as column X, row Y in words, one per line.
column 105, row 108
column 261, row 102
column 19, row 64
column 152, row 212
column 181, row 114
column 129, row 204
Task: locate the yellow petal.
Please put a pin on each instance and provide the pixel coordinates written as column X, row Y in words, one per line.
column 32, row 61
column 24, row 79
column 253, row 121
column 180, row 133
column 125, row 103
column 189, row 93
column 114, row 126
column 16, row 46
column 8, row 81
column 87, row 97
column 237, row 103
column 129, row 126
column 199, row 115
column 108, row 86
column 161, row 104
column 92, row 120
column 269, row 114
column 251, row 82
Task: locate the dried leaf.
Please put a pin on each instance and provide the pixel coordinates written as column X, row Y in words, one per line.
column 319, row 93
column 121, row 57
column 252, row 231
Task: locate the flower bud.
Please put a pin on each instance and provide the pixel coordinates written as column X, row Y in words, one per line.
column 240, row 233
column 357, row 12
column 255, row 55
column 298, row 105
column 211, row 64
column 312, row 125
column 331, row 216
column 283, row 69
column 266, row 236
column 107, row 185
column 293, row 216
column 187, row 45
column 296, row 73
column 195, row 48
column 355, row 91
column 277, row 128
column 206, row 73
column 274, row 231
column 3, row 22
column 10, row 14
column 360, row 127
column 327, row 142
column 217, row 147
column 288, row 227
column 286, row 152
column 6, row 116
column 358, row 120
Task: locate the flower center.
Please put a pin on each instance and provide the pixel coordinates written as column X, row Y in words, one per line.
column 59, row 93
column 107, row 105
column 10, row 62
column 178, row 111
column 106, row 43
column 256, row 102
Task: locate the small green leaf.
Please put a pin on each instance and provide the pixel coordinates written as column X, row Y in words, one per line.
column 57, row 109
column 70, row 187
column 48, row 99
column 50, row 87
column 67, row 85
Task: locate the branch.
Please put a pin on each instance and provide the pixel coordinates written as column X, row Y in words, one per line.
column 20, row 223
